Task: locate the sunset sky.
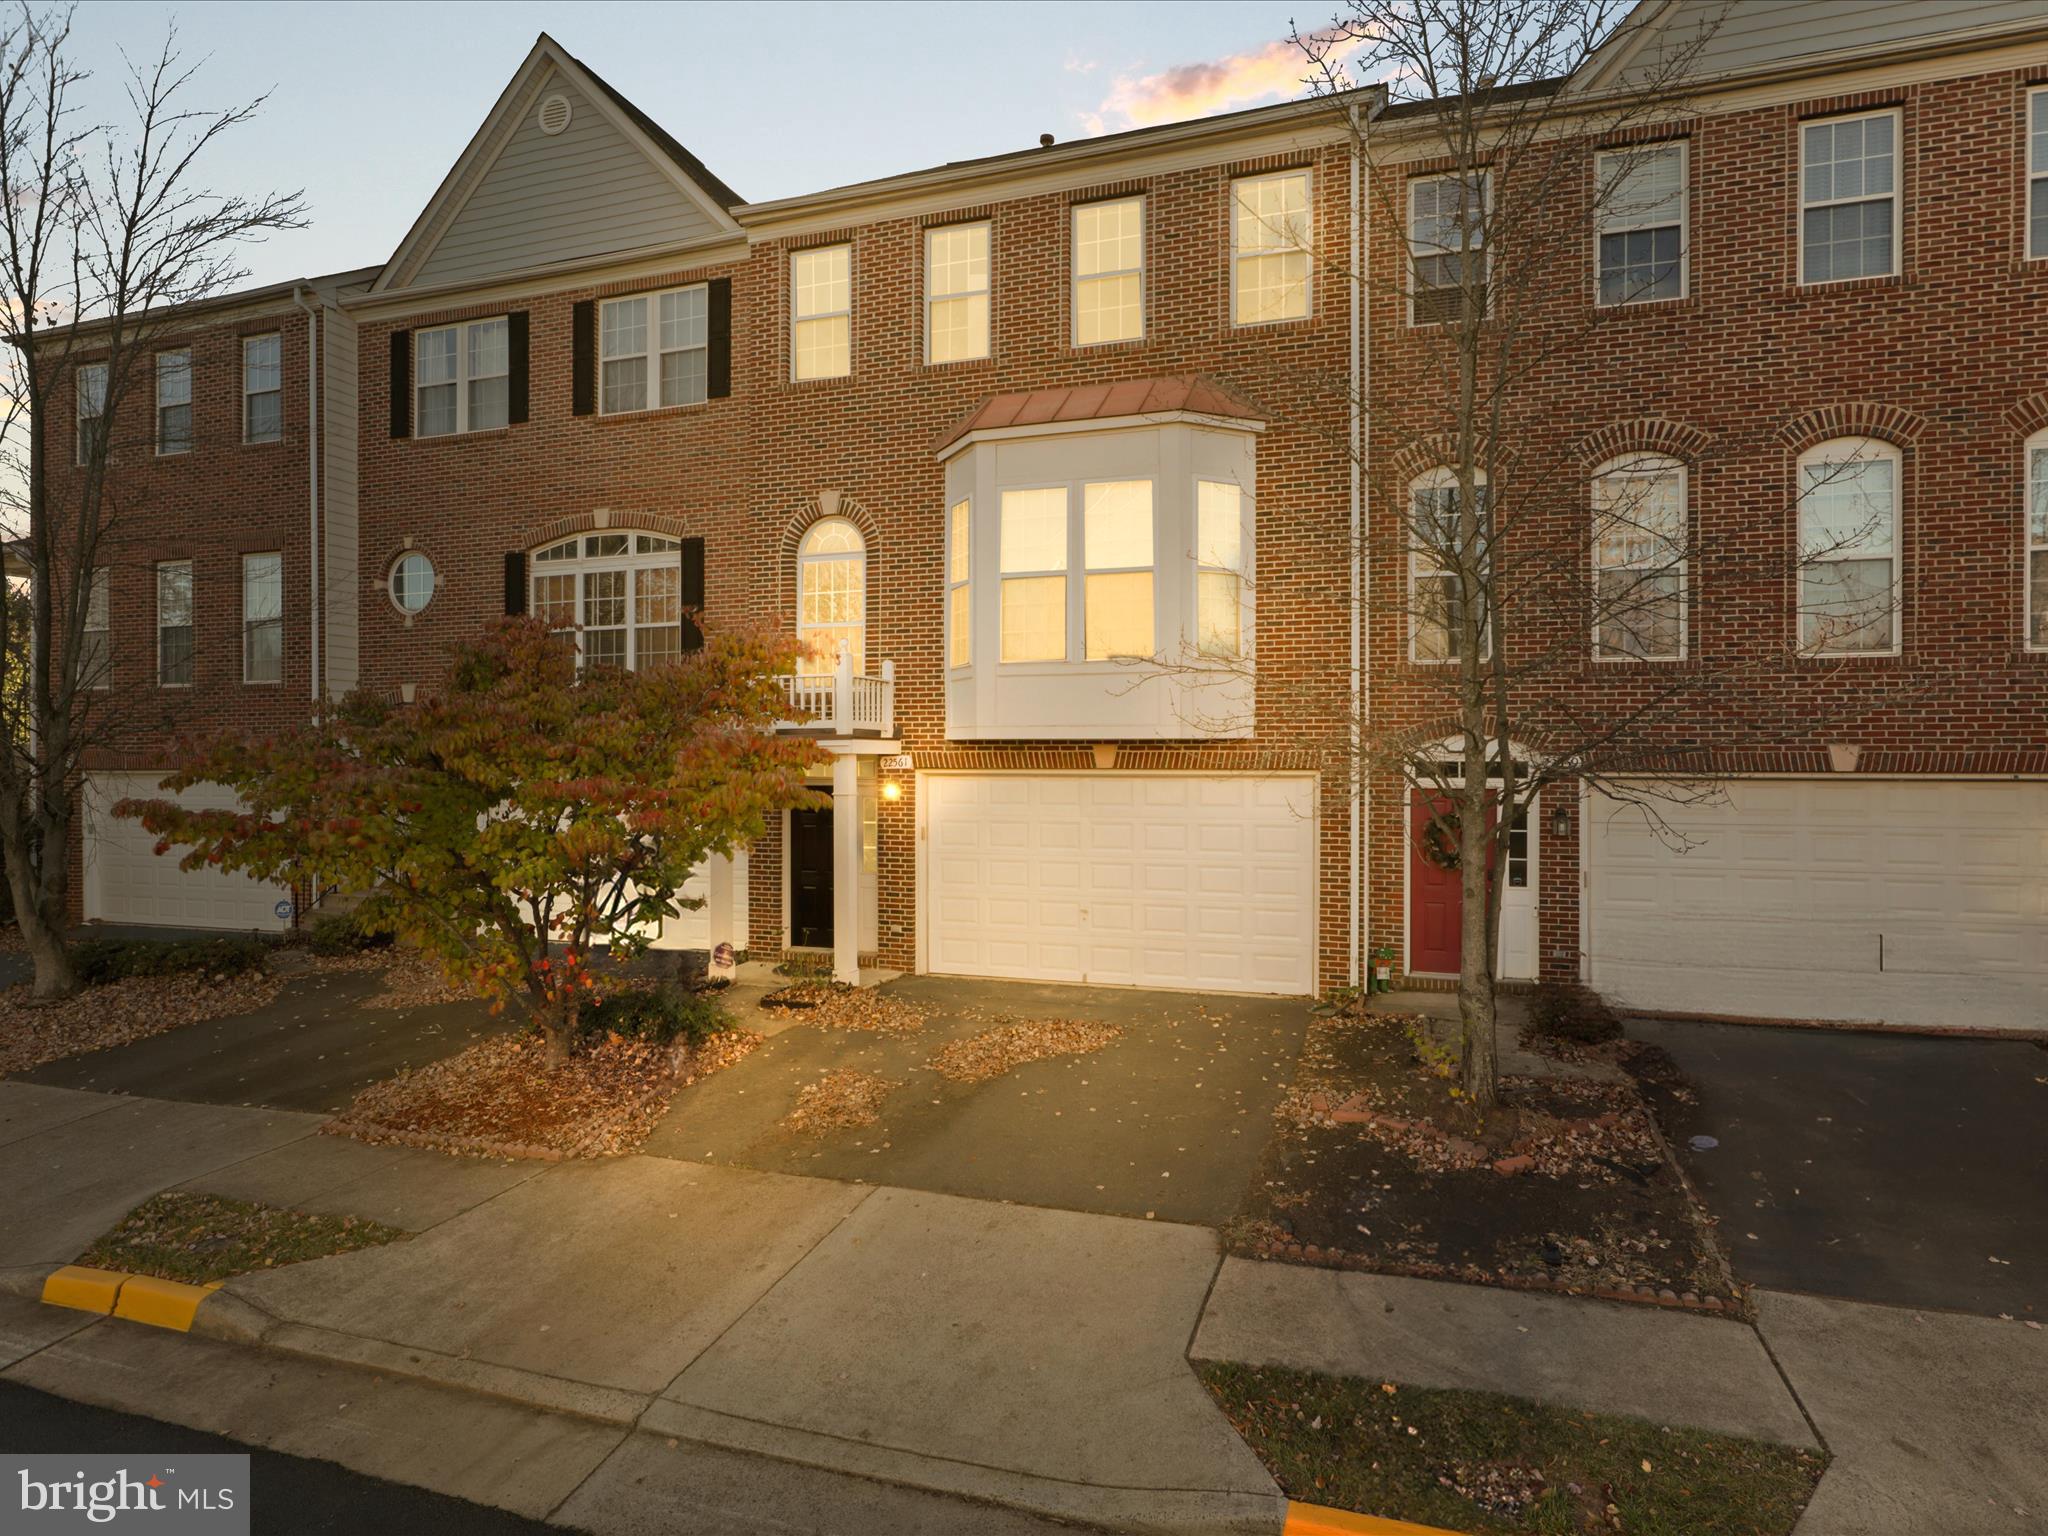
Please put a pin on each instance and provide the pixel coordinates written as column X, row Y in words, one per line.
column 371, row 103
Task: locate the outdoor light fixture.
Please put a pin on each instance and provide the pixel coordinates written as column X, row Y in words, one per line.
column 891, row 790
column 1560, row 821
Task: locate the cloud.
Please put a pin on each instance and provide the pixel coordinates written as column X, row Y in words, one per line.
column 1277, row 71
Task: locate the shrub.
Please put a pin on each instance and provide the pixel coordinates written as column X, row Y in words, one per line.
column 656, row 1015
column 339, row 933
column 1568, row 1012
column 98, row 961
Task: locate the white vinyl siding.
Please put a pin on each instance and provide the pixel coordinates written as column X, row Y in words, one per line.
column 1849, row 197
column 340, row 536
column 263, row 618
column 262, row 388
column 1270, row 242
column 2036, row 523
column 462, row 378
column 1446, row 231
column 1639, row 542
column 654, row 350
column 174, row 658
column 956, row 293
column 821, row 312
column 1109, row 271
column 1642, row 213
column 1848, row 548
column 174, row 401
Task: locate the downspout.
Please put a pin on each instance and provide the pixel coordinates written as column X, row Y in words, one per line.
column 1361, row 789
column 313, row 312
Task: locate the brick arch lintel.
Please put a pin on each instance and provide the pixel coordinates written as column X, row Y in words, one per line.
column 1645, row 434
column 2028, row 416
column 614, row 522
column 1436, row 451
column 826, row 504
column 1853, row 418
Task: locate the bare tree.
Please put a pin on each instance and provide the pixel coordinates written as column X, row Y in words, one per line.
column 105, row 231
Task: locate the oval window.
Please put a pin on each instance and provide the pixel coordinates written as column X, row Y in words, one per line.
column 412, row 583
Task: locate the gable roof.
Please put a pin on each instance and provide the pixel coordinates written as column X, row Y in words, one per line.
column 613, row 180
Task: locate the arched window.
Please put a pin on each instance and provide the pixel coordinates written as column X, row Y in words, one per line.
column 832, row 595
column 2037, row 530
column 1848, row 547
column 1639, row 568
column 620, row 592
column 1436, row 607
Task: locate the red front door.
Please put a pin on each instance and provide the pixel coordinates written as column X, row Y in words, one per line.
column 1434, row 900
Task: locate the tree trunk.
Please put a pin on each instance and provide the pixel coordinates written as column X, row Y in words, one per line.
column 1476, row 1062
column 55, row 980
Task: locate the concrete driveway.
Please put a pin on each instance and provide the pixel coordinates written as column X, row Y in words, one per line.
column 1165, row 1122
column 1885, row 1168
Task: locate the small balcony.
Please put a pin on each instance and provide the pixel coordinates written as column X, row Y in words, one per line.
column 841, row 702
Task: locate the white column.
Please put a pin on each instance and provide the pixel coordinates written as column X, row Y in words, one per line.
column 719, row 907
column 845, row 867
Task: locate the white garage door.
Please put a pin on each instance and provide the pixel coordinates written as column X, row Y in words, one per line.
column 126, row 882
column 1881, row 901
column 1146, row 880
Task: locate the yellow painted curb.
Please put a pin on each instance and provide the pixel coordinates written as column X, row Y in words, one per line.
column 1314, row 1520
column 86, row 1289
column 162, row 1303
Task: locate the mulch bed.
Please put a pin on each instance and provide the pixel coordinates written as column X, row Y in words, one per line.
column 993, row 1052
column 197, row 1238
column 1373, row 1164
column 503, row 1097
column 841, row 1100
column 120, row 1011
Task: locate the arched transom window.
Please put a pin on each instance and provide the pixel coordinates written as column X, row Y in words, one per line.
column 832, row 595
column 620, row 592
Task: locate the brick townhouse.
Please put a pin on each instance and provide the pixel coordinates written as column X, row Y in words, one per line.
column 1038, row 453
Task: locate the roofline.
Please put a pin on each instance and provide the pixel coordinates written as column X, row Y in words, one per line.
column 242, row 298
column 1175, row 417
column 1078, row 152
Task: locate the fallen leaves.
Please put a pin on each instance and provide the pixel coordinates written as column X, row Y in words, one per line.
column 121, row 1011
column 841, row 1100
column 833, row 1006
column 993, row 1052
column 197, row 1238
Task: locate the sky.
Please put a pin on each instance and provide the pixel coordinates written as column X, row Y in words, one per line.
column 370, row 104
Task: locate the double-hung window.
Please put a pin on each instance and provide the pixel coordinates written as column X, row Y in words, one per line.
column 621, row 593
column 2037, row 541
column 262, row 388
column 1436, row 601
column 1219, row 568
column 1116, row 545
column 174, row 624
column 1848, row 548
column 1640, row 194
column 1639, row 560
column 956, row 293
column 462, row 377
column 1269, row 248
column 1034, row 574
column 263, row 618
column 821, row 311
column 2037, row 174
column 960, row 584
column 174, row 401
column 655, row 350
column 1849, row 197
column 1446, row 240
column 92, row 407
column 95, row 654
column 1109, row 271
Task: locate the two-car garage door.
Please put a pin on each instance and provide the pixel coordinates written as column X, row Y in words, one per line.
column 1148, row 880
column 1902, row 902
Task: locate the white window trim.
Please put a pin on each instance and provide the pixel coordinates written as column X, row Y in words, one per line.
column 954, row 584
column 651, row 356
column 1896, row 196
column 1437, row 479
column 2029, row 547
column 1485, row 176
column 1089, row 568
column 796, row 320
column 1605, row 224
column 1239, row 255
column 462, row 378
column 79, row 417
column 804, row 562
column 986, row 292
column 1647, row 465
column 433, row 580
column 1843, row 450
column 1075, row 279
column 98, row 593
column 580, row 565
column 161, row 451
column 1246, row 554
column 192, row 603
column 1068, row 623
column 248, row 623
column 248, row 394
column 2037, row 172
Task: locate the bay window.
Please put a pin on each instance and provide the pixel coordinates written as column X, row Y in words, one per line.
column 619, row 594
column 1219, row 568
column 1116, row 544
column 1848, row 548
column 655, row 349
column 960, row 584
column 462, row 378
column 1034, row 574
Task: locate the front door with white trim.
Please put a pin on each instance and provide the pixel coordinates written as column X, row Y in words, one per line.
column 1434, row 906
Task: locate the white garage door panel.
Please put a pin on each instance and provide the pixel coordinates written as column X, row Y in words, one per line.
column 1906, row 903
column 1128, row 879
column 126, row 881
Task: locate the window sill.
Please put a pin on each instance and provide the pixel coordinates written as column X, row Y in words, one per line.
column 1237, row 325
column 652, row 413
column 253, row 682
column 437, row 438
column 1097, row 348
column 1848, row 284
column 262, row 442
column 960, row 364
column 1648, row 306
column 824, row 383
column 1863, row 658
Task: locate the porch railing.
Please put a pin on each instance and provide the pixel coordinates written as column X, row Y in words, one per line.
column 842, row 702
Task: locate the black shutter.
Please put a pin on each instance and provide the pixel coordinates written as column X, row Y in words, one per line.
column 693, row 593
column 515, row 365
column 401, row 383
column 583, row 358
column 515, row 582
column 718, row 357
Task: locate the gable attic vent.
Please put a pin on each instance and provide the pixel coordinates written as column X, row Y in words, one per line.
column 553, row 116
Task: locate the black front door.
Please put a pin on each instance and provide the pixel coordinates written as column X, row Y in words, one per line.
column 810, row 879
